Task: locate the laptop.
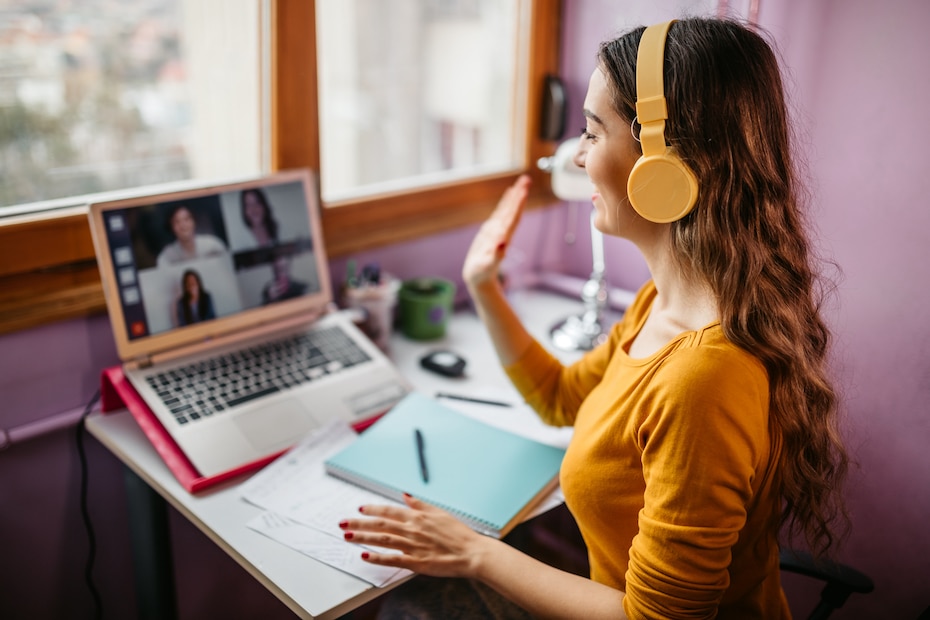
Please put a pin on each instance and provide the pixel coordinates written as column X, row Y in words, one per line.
column 220, row 302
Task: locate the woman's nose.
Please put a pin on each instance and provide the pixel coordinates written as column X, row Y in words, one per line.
column 578, row 157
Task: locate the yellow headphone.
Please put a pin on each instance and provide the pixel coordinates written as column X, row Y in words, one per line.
column 662, row 188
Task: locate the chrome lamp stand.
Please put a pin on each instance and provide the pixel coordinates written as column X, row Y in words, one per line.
column 585, row 331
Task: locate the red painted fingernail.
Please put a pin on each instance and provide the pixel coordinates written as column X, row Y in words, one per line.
column 361, row 509
column 343, row 525
column 365, row 555
column 349, row 535
column 407, row 495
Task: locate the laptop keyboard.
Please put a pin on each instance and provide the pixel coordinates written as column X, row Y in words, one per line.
column 208, row 387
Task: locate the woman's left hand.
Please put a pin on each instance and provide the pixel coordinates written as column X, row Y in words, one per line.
column 430, row 540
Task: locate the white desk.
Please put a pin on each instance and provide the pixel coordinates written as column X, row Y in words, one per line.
column 309, row 588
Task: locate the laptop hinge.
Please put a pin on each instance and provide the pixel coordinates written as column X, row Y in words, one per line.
column 230, row 338
column 143, row 361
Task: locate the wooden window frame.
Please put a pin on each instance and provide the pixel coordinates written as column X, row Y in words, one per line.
column 47, row 267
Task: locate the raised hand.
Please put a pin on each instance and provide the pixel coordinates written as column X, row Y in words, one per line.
column 490, row 244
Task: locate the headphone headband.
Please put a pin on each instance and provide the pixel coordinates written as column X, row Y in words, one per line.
column 661, row 187
column 651, row 107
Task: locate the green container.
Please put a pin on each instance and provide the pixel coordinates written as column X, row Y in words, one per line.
column 425, row 305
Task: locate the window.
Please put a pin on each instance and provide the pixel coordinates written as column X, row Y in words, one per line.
column 47, row 271
column 368, row 221
column 418, row 92
column 140, row 97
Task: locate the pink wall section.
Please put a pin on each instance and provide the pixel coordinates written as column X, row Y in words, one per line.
column 536, row 242
column 861, row 94
column 866, row 97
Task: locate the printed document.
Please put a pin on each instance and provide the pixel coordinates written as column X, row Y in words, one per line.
column 305, row 505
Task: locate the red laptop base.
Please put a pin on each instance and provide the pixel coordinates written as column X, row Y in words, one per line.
column 117, row 393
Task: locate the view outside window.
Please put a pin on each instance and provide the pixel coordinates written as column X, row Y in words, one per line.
column 416, row 92
column 97, row 95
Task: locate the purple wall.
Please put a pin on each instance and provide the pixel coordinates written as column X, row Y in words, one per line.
column 43, row 546
column 860, row 91
column 866, row 101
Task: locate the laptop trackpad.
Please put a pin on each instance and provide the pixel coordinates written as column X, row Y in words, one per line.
column 276, row 425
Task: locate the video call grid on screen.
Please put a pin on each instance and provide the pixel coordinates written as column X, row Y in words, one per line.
column 233, row 267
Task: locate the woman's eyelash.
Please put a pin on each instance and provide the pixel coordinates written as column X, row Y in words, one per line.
column 586, row 134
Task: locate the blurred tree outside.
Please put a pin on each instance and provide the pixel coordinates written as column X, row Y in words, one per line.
column 88, row 102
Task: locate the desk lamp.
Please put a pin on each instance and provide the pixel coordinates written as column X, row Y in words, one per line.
column 585, row 331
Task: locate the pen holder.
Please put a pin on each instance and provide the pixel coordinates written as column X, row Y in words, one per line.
column 425, row 305
column 377, row 302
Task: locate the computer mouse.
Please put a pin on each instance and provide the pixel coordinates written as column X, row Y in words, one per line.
column 444, row 362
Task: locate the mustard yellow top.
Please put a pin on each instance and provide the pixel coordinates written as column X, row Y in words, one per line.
column 671, row 469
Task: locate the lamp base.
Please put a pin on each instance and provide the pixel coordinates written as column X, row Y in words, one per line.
column 578, row 333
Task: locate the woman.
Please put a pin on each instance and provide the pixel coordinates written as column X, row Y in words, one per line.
column 187, row 244
column 195, row 303
column 707, row 420
column 258, row 218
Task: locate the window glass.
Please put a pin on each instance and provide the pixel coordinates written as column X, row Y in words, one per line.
column 100, row 95
column 417, row 92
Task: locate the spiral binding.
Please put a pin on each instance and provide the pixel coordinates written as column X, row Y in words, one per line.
column 479, row 525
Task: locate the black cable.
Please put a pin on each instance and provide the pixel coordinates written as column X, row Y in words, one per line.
column 85, row 513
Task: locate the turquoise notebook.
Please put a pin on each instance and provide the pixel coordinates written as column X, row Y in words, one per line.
column 489, row 478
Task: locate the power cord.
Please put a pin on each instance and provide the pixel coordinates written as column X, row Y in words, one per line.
column 85, row 513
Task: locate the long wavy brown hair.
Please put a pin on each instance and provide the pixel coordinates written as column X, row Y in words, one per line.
column 746, row 237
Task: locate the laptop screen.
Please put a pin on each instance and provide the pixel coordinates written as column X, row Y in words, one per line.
column 184, row 260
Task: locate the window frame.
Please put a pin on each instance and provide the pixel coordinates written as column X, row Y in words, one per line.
column 47, row 268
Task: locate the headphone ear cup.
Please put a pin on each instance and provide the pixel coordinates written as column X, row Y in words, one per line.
column 662, row 188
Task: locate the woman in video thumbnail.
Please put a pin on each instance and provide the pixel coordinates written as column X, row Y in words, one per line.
column 258, row 218
column 195, row 303
column 187, row 245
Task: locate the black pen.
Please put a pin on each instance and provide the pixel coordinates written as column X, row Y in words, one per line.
column 469, row 399
column 421, row 455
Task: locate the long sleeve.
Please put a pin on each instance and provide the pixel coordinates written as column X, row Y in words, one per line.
column 705, row 452
column 556, row 391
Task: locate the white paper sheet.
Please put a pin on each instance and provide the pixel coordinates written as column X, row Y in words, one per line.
column 332, row 551
column 304, row 505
